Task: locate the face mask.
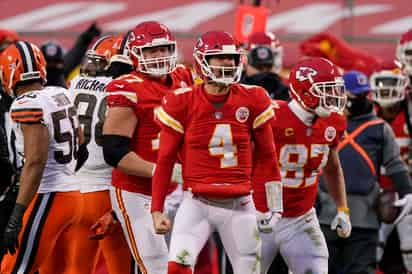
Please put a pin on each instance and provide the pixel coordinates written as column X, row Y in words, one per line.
column 358, row 105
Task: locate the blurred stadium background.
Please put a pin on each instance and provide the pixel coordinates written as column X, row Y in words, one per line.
column 370, row 25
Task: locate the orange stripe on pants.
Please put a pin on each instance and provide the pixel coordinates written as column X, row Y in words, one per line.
column 130, row 231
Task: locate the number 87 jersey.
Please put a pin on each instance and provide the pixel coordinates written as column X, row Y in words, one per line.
column 302, row 151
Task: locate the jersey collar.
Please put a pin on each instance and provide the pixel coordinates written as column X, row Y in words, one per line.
column 305, row 116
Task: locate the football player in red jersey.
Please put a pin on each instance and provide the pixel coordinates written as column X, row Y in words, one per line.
column 130, row 141
column 213, row 126
column 389, row 87
column 306, row 143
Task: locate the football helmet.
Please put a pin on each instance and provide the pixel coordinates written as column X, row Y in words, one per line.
column 215, row 43
column 389, row 85
column 268, row 39
column 121, row 54
column 19, row 62
column 149, row 35
column 317, row 84
column 98, row 57
column 404, row 52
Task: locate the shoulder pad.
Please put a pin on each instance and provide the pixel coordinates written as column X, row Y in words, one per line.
column 130, row 78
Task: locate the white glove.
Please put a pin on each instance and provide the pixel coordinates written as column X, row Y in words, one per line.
column 267, row 221
column 176, row 173
column 406, row 204
column 341, row 223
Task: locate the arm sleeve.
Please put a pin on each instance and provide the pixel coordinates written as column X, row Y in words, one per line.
column 391, row 153
column 27, row 109
column 170, row 141
column 266, row 166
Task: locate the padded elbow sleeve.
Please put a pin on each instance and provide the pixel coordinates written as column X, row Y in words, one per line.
column 115, row 147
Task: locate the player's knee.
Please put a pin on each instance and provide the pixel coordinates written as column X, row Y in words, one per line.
column 177, row 268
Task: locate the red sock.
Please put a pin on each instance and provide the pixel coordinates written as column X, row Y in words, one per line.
column 175, row 268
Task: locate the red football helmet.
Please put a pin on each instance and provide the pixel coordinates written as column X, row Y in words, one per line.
column 152, row 34
column 317, row 84
column 21, row 61
column 404, row 51
column 268, row 39
column 389, row 84
column 214, row 43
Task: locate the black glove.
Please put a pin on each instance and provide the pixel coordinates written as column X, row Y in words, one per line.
column 11, row 233
column 92, row 32
column 82, row 155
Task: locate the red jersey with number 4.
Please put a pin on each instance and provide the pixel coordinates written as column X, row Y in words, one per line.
column 144, row 95
column 302, row 151
column 217, row 141
column 400, row 129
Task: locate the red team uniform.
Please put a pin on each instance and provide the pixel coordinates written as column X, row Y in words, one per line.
column 215, row 139
column 214, row 135
column 305, row 131
column 135, row 90
column 130, row 194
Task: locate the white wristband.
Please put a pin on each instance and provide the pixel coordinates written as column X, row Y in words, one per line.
column 274, row 196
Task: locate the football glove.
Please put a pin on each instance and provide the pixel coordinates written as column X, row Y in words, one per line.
column 406, row 204
column 104, row 226
column 341, row 223
column 267, row 221
column 11, row 233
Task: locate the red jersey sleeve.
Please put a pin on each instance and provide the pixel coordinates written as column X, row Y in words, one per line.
column 170, row 141
column 265, row 166
column 263, row 109
column 120, row 92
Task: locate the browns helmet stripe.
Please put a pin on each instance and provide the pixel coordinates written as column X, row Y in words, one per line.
column 98, row 42
column 27, row 56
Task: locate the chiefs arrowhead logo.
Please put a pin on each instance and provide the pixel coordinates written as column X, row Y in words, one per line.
column 303, row 73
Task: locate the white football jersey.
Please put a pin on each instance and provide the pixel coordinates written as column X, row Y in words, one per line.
column 53, row 108
column 90, row 99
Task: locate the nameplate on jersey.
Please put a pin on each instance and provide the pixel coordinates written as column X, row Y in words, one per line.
column 90, row 84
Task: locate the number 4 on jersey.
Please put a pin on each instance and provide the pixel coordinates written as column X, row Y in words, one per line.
column 221, row 145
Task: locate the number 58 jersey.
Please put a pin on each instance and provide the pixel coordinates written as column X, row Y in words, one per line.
column 303, row 151
column 90, row 100
column 53, row 108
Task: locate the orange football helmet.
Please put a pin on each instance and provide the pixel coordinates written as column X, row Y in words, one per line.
column 98, row 57
column 19, row 62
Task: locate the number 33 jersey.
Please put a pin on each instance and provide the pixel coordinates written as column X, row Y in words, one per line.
column 302, row 152
column 90, row 100
column 53, row 108
column 217, row 141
